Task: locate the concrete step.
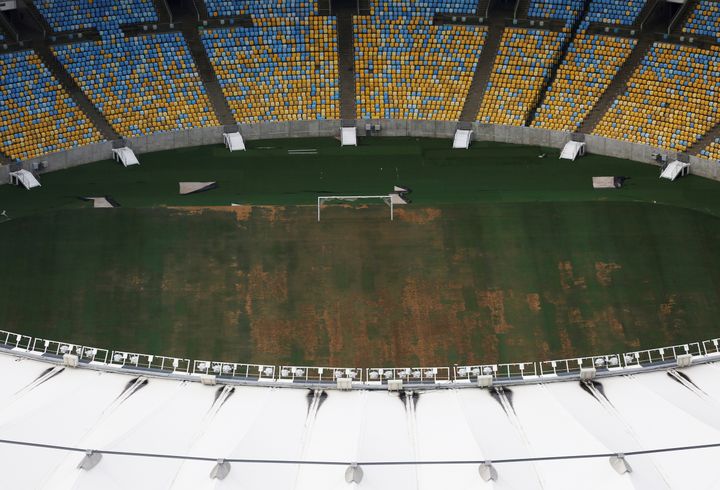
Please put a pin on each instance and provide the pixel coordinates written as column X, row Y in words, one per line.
column 38, row 18
column 163, row 11
column 646, row 13
column 522, row 9
column 207, row 74
column 199, row 9
column 7, row 30
column 483, row 8
column 69, row 84
column 482, row 73
column 682, row 16
column 346, row 64
column 618, row 84
column 558, row 62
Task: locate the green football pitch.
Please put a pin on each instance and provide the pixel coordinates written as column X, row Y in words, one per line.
column 502, row 256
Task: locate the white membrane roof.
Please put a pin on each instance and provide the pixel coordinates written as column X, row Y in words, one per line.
column 48, row 404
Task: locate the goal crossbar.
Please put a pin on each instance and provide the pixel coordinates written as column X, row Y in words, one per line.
column 387, row 198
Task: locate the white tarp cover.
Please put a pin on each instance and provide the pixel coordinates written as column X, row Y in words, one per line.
column 24, row 178
column 571, row 150
column 673, row 170
column 462, row 139
column 126, row 156
column 234, row 141
column 348, row 137
column 603, row 182
column 396, row 199
column 192, row 187
column 101, row 202
column 91, row 409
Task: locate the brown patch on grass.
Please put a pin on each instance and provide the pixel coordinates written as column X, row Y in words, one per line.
column 567, row 276
column 604, row 270
column 666, row 309
column 269, row 337
column 242, row 212
column 264, row 285
column 494, row 300
column 566, row 346
column 420, row 216
column 533, row 301
column 616, row 327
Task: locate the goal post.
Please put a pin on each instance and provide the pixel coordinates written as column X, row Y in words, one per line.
column 387, row 199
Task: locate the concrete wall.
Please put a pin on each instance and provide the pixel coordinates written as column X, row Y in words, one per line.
column 388, row 127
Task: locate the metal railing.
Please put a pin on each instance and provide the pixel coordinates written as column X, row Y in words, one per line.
column 370, row 378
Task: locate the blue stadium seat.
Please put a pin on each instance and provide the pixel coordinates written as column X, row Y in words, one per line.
column 142, row 84
column 37, row 116
column 106, row 15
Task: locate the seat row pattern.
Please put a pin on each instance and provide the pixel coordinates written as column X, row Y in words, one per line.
column 522, row 66
column 427, row 8
column 143, row 84
column 261, row 8
column 279, row 70
column 704, row 20
column 712, row 151
column 586, row 72
column 672, row 99
column 622, row 12
column 407, row 68
column 37, row 115
column 70, row 15
column 567, row 10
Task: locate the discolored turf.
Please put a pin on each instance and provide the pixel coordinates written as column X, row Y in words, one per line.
column 503, row 256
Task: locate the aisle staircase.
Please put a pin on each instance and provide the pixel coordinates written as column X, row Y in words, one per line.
column 207, row 74
column 62, row 75
column 346, row 63
column 705, row 140
column 682, row 17
column 617, row 86
column 163, row 11
column 482, row 72
column 562, row 54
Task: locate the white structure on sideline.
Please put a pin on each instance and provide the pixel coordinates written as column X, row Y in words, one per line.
column 572, row 150
column 234, row 141
column 107, row 423
column 675, row 169
column 125, row 156
column 348, row 136
column 462, row 139
column 24, row 178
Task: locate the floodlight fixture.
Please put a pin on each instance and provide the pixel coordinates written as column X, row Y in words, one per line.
column 221, row 470
column 586, row 374
column 71, row 360
column 684, row 360
column 620, row 464
column 353, row 473
column 90, row 460
column 488, row 472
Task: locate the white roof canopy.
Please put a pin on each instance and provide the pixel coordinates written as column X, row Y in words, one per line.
column 103, row 411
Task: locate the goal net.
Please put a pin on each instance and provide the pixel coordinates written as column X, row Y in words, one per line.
column 387, row 199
